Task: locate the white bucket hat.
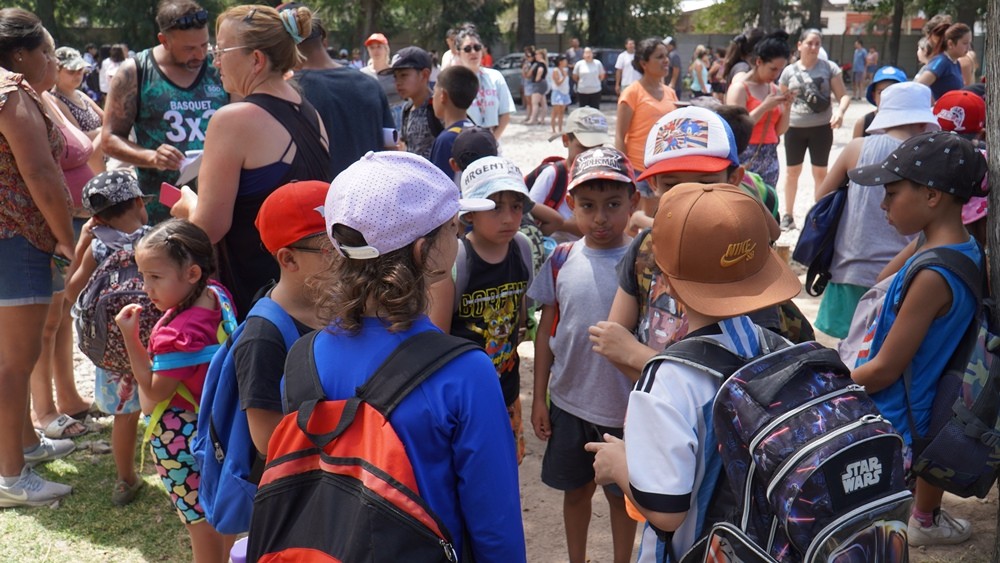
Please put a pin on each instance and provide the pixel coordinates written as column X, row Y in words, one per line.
column 905, row 103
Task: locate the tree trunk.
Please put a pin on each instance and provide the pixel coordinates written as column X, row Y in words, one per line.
column 814, row 14
column 993, row 158
column 766, row 16
column 965, row 12
column 892, row 56
column 46, row 11
column 525, row 23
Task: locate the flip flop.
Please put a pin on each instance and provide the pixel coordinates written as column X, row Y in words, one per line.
column 61, row 428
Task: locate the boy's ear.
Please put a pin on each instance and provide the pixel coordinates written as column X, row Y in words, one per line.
column 454, row 165
column 286, row 259
column 425, row 75
column 634, row 199
column 570, row 200
column 737, row 176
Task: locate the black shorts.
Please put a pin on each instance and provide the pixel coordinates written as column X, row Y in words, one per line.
column 818, row 139
column 589, row 100
column 566, row 466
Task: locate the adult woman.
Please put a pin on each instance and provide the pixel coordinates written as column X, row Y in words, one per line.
column 34, row 224
column 256, row 47
column 78, row 108
column 589, row 75
column 717, row 75
column 698, row 70
column 944, row 73
column 768, row 107
column 815, row 83
column 526, row 86
column 640, row 105
column 494, row 104
column 110, row 65
column 560, row 93
column 537, row 76
column 740, row 53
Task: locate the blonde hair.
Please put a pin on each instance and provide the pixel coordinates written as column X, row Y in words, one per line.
column 264, row 29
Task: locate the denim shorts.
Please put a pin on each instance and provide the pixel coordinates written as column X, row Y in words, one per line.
column 27, row 280
column 560, row 98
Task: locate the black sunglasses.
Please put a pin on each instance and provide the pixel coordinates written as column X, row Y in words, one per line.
column 470, row 48
column 197, row 19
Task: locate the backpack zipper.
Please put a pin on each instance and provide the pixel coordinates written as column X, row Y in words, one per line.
column 827, row 531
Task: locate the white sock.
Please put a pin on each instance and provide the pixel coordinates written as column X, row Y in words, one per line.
column 9, row 481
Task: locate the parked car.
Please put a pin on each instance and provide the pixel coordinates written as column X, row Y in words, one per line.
column 510, row 67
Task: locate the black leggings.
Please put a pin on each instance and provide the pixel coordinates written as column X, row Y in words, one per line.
column 818, row 140
column 589, row 100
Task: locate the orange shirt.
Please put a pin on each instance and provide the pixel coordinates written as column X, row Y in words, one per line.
column 760, row 136
column 645, row 111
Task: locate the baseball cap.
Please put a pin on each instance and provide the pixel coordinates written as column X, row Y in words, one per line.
column 110, row 188
column 70, row 59
column 291, row 213
column 974, row 210
column 961, row 111
column 942, row 160
column 588, row 125
column 392, row 198
column 471, row 144
column 884, row 73
column 409, row 57
column 690, row 139
column 601, row 163
column 711, row 241
column 906, row 103
column 492, row 174
column 376, row 38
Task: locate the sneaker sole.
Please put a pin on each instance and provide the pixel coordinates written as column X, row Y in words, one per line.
column 12, row 503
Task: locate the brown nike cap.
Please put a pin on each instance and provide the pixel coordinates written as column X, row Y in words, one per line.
column 712, row 242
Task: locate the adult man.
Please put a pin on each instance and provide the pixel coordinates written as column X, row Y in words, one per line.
column 574, row 53
column 378, row 60
column 353, row 108
column 625, row 74
column 673, row 77
column 167, row 93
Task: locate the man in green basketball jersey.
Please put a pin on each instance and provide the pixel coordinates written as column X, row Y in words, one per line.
column 167, row 93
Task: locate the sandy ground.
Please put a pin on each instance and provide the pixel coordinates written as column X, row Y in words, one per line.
column 542, row 506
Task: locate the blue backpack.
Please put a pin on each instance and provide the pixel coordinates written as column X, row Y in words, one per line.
column 230, row 466
column 814, row 249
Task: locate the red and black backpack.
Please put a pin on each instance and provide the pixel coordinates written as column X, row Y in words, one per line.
column 557, row 191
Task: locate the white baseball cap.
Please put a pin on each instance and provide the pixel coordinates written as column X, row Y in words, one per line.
column 392, row 198
column 491, row 174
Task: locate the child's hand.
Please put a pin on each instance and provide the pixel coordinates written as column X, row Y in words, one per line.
column 637, row 222
column 540, row 418
column 609, row 460
column 128, row 319
column 611, row 340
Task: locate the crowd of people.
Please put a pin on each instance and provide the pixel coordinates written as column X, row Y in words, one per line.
column 373, row 203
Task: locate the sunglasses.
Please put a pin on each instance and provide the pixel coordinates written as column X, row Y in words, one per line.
column 197, row 19
column 470, row 48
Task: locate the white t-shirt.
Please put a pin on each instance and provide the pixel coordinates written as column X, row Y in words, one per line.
column 624, row 64
column 493, row 100
column 447, row 59
column 588, row 76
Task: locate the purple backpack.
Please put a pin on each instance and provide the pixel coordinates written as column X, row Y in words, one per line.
column 812, row 472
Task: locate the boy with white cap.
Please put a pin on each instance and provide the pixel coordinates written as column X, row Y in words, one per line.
column 493, row 269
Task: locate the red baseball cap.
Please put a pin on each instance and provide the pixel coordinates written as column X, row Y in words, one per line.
column 376, row 38
column 291, row 213
column 961, row 111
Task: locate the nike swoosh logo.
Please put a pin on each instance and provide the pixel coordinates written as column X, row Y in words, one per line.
column 727, row 262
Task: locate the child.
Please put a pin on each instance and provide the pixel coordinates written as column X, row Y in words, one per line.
column 885, row 77
column 927, row 180
column 485, row 301
column 412, row 69
column 560, row 94
column 176, row 260
column 392, row 217
column 712, row 244
column 116, row 202
column 587, row 393
column 291, row 227
column 455, row 90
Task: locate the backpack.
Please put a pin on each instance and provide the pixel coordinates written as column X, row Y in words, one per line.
column 814, row 471
column 961, row 451
column 814, row 249
column 230, row 465
column 338, row 480
column 557, row 192
column 558, row 259
column 115, row 283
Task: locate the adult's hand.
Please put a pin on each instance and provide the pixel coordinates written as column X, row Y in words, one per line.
column 166, row 157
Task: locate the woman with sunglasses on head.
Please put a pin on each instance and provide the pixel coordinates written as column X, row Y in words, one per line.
column 493, row 105
column 256, row 47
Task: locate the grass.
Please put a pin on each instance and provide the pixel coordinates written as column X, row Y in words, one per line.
column 85, row 526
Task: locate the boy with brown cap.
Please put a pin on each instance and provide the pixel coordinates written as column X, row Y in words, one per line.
column 712, row 244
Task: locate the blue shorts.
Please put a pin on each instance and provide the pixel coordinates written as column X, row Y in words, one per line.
column 560, row 98
column 28, row 278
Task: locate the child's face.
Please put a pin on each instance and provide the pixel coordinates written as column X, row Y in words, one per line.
column 441, row 256
column 662, row 183
column 166, row 283
column 602, row 211
column 904, row 206
column 499, row 225
column 410, row 82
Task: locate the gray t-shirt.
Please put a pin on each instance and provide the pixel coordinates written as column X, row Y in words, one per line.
column 583, row 382
column 865, row 241
column 812, row 106
column 588, row 76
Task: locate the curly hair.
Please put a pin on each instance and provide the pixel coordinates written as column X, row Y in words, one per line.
column 395, row 281
column 183, row 243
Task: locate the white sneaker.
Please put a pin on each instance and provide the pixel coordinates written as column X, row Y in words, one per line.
column 946, row 530
column 48, row 450
column 32, row 490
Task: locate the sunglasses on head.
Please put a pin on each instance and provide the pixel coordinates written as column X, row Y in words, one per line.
column 197, row 19
column 470, row 48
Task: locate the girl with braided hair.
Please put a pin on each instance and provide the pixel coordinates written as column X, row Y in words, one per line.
column 176, row 260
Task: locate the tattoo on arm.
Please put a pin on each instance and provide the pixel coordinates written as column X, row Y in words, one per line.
column 121, row 109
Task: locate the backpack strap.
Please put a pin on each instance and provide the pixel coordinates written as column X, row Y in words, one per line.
column 266, row 308
column 463, row 265
column 409, row 365
column 302, row 382
column 157, row 414
column 557, row 192
column 227, row 325
column 557, row 260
